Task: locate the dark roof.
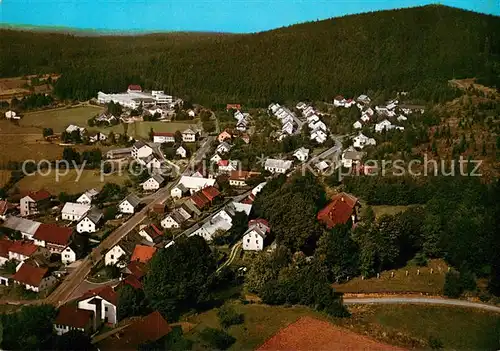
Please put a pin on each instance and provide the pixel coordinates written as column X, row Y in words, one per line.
column 339, row 210
column 138, row 144
column 199, row 200
column 4, row 247
column 243, row 175
column 30, row 275
column 133, row 199
column 53, row 234
column 153, row 231
column 137, row 269
column 94, row 215
column 163, row 134
column 148, row 329
column 73, row 317
column 131, row 280
column 39, row 195
column 134, row 87
column 23, row 247
column 105, row 292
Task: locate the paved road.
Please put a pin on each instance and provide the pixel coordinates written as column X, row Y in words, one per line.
column 200, row 154
column 419, row 300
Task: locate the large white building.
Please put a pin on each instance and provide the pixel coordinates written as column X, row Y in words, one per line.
column 277, row 166
column 74, row 211
column 134, row 97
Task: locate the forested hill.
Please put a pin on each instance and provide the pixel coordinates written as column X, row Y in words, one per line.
column 387, row 50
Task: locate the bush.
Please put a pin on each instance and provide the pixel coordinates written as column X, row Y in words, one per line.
column 218, row 339
column 435, row 343
column 228, row 316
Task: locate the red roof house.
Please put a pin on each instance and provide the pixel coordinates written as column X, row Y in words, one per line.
column 69, row 318
column 167, row 134
column 233, row 107
column 342, row 208
column 52, row 236
column 4, row 248
column 132, row 281
column 105, row 292
column 211, row 193
column 199, row 200
column 143, row 253
column 33, row 278
column 151, row 233
column 39, row 195
column 22, row 249
column 259, row 221
column 137, row 269
column 134, row 88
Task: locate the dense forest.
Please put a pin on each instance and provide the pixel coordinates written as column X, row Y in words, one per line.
column 419, row 48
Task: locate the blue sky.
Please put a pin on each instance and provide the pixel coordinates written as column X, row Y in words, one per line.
column 199, row 15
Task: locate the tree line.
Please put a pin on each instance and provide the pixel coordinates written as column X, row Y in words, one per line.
column 419, row 48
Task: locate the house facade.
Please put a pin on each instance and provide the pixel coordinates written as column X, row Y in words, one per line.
column 129, row 204
column 102, row 303
column 34, row 202
column 188, row 136
column 277, row 166
column 74, row 211
column 163, row 137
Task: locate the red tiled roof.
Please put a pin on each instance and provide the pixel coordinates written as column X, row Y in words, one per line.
column 338, row 211
column 4, row 247
column 143, row 253
column 53, row 234
column 132, row 281
column 242, row 175
column 261, row 221
column 39, row 195
column 223, row 163
column 233, row 106
column 134, row 87
column 137, row 269
column 349, row 100
column 73, row 317
column 210, row 192
column 4, row 205
column 199, row 200
column 30, row 275
column 163, row 134
column 23, row 247
column 153, row 231
column 105, row 292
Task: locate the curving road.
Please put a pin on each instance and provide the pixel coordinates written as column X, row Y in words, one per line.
column 419, row 300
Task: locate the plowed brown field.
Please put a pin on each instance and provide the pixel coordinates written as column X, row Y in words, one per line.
column 313, row 334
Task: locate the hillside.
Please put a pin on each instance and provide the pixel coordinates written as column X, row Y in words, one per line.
column 387, row 50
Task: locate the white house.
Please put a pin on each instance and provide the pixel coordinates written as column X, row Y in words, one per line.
column 312, row 119
column 27, row 227
column 339, row 101
column 322, row 166
column 74, row 211
column 300, row 106
column 97, row 137
column 90, row 222
column 363, row 99
column 71, row 318
column 227, row 166
column 191, row 184
column 191, row 113
column 175, row 219
column 361, row 140
column 223, row 148
column 87, row 197
column 402, row 118
column 141, row 150
column 68, row 255
column 11, row 115
column 319, row 136
column 302, row 154
column 357, row 125
column 277, row 166
column 188, row 136
column 153, row 183
column 160, row 137
column 102, row 302
column 215, row 158
column 253, row 238
column 181, row 152
column 384, row 125
column 351, row 157
column 129, row 204
column 287, row 128
column 151, row 233
column 72, row 128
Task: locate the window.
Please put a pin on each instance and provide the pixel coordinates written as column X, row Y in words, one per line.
column 112, row 257
column 106, row 308
column 248, row 241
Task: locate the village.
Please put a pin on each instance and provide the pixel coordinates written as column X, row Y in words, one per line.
column 190, row 185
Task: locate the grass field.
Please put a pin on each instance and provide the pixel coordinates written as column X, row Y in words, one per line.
column 68, row 183
column 388, row 210
column 59, row 119
column 406, row 325
column 141, row 129
column 423, row 283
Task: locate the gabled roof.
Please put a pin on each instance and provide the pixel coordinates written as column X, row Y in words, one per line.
column 143, row 253
column 30, row 275
column 199, row 199
column 153, row 231
column 195, row 182
column 105, row 292
column 188, row 131
column 52, row 233
column 339, row 210
column 137, row 269
column 164, row 134
column 134, row 87
column 138, row 144
column 133, row 200
column 158, row 178
column 23, row 247
column 5, row 247
column 210, row 192
column 242, row 175
column 39, row 195
column 23, row 225
column 132, row 281
column 94, row 215
column 73, row 317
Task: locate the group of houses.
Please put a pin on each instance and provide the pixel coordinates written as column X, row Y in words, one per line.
column 287, row 119
column 368, row 114
column 318, row 129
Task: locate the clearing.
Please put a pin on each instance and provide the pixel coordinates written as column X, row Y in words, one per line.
column 69, row 183
column 58, row 119
column 408, row 326
column 425, row 282
column 141, row 129
column 381, row 210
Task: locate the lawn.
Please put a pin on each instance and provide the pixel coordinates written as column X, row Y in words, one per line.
column 141, row 129
column 59, row 119
column 425, row 282
column 388, row 210
column 403, row 325
column 69, row 183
